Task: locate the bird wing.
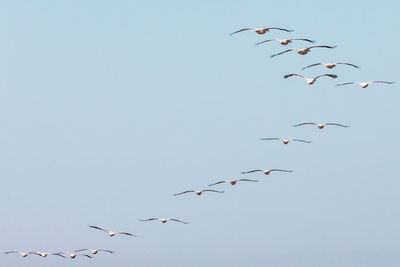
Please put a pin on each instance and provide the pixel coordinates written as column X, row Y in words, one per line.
column 346, row 83
column 280, row 53
column 334, row 76
column 98, row 228
column 215, row 191
column 305, row 123
column 252, row 171
column 303, row 39
column 176, row 220
column 312, row 65
column 8, row 252
column 106, row 250
column 293, row 74
column 59, row 254
column 84, row 255
column 281, row 29
column 79, row 250
column 220, row 182
column 301, row 140
column 150, row 219
column 279, row 170
column 270, row 138
column 344, row 63
column 322, row 46
column 125, row 233
column 381, row 82
column 184, row 192
column 269, row 40
column 246, row 180
column 336, row 124
column 241, row 30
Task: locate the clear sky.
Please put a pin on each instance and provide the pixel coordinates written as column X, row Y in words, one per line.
column 107, row 108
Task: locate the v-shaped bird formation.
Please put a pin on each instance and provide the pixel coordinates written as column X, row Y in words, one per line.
column 90, row 252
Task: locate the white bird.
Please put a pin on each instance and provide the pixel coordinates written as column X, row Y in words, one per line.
column 164, row 220
column 233, row 182
column 286, row 141
column 304, row 50
column 321, row 125
column 261, row 30
column 364, row 84
column 71, row 255
column 286, row 41
column 331, row 65
column 312, row 79
column 94, row 251
column 39, row 253
column 266, row 172
column 111, row 233
column 22, row 253
column 198, row 192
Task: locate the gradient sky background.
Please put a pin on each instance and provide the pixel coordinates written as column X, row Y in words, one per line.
column 107, row 108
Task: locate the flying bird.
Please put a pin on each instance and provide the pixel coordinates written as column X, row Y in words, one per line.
column 198, row 192
column 304, row 50
column 321, row 125
column 41, row 254
column 94, row 251
column 261, row 30
column 312, row 79
column 233, row 182
column 286, row 41
column 71, row 255
column 364, row 84
column 266, row 172
column 331, row 65
column 22, row 253
column 164, row 220
column 111, row 233
column 286, row 141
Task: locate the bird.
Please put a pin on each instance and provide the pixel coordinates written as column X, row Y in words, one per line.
column 286, row 41
column 285, row 141
column 364, row 84
column 261, row 30
column 233, row 182
column 312, row 79
column 266, row 172
column 22, row 253
column 111, row 233
column 198, row 192
column 94, row 251
column 164, row 220
column 331, row 65
column 321, row 125
column 39, row 253
column 71, row 255
column 304, row 50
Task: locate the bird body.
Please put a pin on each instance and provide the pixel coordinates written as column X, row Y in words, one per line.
column 285, row 41
column 285, row 141
column 164, row 220
column 330, row 65
column 233, row 182
column 22, row 253
column 198, row 192
column 321, row 125
column 111, row 233
column 261, row 30
column 304, row 50
column 71, row 255
column 94, row 251
column 266, row 172
column 365, row 84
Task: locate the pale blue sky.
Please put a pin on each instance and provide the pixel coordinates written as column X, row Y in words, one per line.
column 107, row 108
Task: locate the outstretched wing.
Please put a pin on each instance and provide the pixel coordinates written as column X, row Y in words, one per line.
column 312, row 65
column 252, row 171
column 106, row 250
column 281, row 53
column 220, row 182
column 301, row 140
column 98, row 228
column 382, row 82
column 346, row 83
column 150, row 219
column 292, row 74
column 322, row 46
column 281, row 29
column 125, row 233
column 303, row 39
column 266, row 41
column 184, row 192
column 334, row 76
column 59, row 254
column 8, row 252
column 270, row 138
column 280, row 170
column 246, row 180
column 344, row 63
column 336, row 124
column 215, row 191
column 241, row 30
column 79, row 250
column 176, row 220
column 305, row 123
column 84, row 255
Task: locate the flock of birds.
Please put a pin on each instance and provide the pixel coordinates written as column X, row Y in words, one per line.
column 90, row 252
